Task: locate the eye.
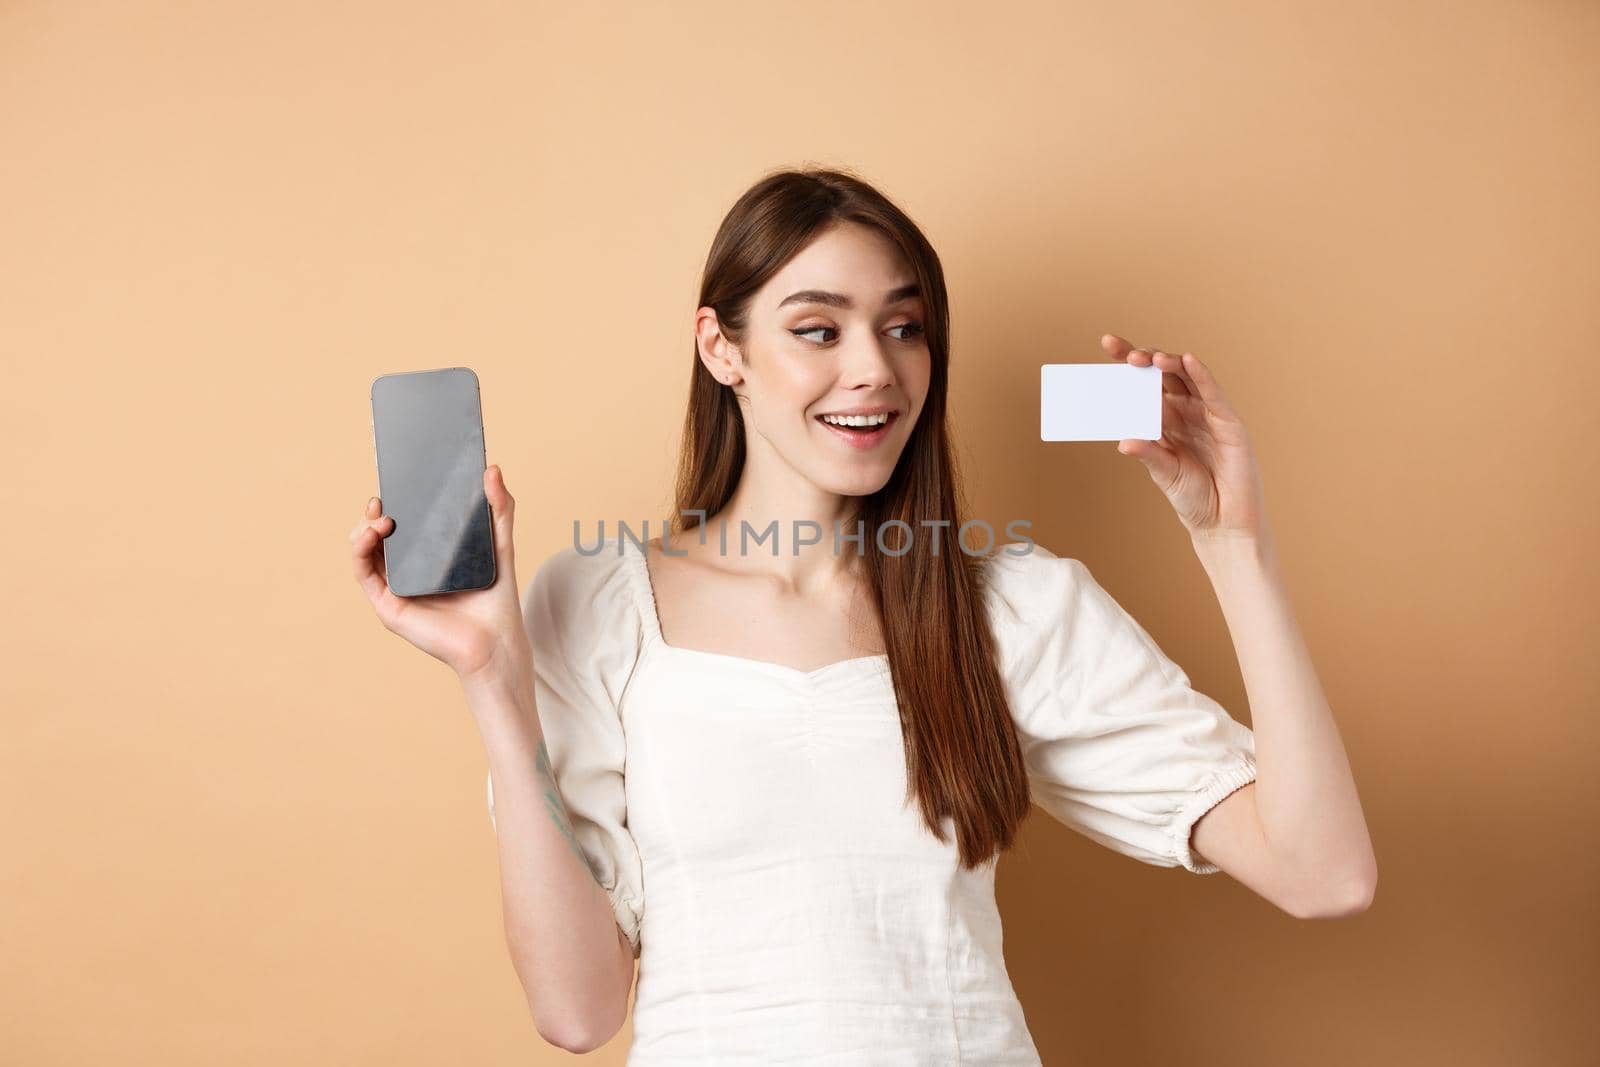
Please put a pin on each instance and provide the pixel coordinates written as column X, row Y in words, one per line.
column 915, row 328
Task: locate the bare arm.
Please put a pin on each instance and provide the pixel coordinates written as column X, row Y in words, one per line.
column 1297, row 834
column 574, row 961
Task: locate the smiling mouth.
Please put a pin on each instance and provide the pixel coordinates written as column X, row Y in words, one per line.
column 860, row 436
column 874, row 425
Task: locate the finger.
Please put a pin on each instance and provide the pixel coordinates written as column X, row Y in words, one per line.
column 1119, row 349
column 1175, row 424
column 1171, row 384
column 372, row 511
column 502, row 507
column 1161, row 462
column 383, row 524
column 1122, row 348
column 368, row 564
column 1207, row 387
column 1174, row 378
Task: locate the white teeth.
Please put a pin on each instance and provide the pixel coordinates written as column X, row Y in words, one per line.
column 857, row 420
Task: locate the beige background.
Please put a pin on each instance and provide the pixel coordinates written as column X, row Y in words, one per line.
column 244, row 824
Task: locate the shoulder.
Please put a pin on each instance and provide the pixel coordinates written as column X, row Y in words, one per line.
column 583, row 587
column 1048, row 612
column 1026, row 578
column 1031, row 594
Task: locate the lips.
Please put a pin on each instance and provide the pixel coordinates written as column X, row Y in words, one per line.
column 860, row 439
column 876, row 410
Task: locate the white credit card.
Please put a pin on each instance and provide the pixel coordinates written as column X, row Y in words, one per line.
column 1099, row 402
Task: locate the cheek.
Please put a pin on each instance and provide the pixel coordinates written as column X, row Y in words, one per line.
column 795, row 388
column 918, row 375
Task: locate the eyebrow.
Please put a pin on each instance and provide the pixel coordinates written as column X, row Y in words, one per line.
column 839, row 300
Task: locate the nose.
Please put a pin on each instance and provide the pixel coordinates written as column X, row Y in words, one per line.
column 866, row 365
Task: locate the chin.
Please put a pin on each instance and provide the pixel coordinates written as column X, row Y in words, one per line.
column 863, row 482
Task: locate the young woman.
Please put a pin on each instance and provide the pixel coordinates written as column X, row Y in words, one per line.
column 781, row 776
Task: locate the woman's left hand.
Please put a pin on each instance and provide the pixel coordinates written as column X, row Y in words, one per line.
column 1203, row 460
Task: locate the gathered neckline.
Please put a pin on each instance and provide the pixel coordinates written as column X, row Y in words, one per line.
column 638, row 563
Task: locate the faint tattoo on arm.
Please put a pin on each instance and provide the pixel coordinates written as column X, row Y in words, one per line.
column 553, row 804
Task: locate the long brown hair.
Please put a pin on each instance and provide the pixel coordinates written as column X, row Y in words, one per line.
column 964, row 761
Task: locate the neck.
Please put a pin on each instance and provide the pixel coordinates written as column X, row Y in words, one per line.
column 761, row 531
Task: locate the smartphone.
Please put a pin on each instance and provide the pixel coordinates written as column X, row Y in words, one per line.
column 427, row 431
column 1099, row 402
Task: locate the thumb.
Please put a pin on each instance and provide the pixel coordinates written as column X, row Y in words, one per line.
column 502, row 509
column 1162, row 464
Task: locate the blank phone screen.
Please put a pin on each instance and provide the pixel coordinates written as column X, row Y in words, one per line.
column 427, row 430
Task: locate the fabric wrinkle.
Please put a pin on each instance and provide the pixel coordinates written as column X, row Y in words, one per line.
column 788, row 901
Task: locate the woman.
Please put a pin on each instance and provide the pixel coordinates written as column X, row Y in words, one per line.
column 781, row 776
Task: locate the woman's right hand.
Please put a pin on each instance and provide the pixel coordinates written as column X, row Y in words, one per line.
column 479, row 632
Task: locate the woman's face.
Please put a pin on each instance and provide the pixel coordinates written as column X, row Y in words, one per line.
column 834, row 332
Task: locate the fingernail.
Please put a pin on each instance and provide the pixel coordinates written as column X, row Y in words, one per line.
column 371, row 500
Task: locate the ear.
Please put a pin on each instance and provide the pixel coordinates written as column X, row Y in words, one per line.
column 720, row 355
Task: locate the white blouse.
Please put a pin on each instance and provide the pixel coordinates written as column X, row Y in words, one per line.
column 748, row 820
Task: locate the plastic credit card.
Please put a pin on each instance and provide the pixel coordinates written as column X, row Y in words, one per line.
column 1099, row 402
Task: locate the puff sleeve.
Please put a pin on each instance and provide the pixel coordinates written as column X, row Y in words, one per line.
column 586, row 636
column 1118, row 745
